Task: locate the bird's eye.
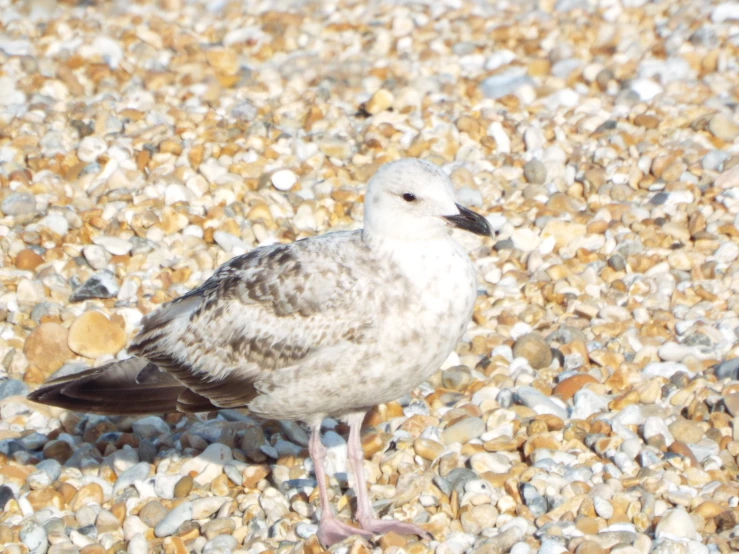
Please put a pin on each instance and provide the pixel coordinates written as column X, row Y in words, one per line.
column 408, row 197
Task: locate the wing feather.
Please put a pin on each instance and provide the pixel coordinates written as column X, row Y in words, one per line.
column 269, row 309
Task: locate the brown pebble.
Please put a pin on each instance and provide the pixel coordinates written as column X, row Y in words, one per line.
column 428, row 449
column 92, row 335
column 119, row 511
column 92, row 549
column 589, row 547
column 183, row 487
column 587, row 525
column 67, row 491
column 392, row 539
column 58, row 450
column 533, row 348
column 681, row 448
column 708, row 509
column 174, row 545
column 92, row 493
column 44, row 498
column 567, row 388
column 686, row 431
column 732, row 403
column 726, row 520
column 46, row 347
column 152, row 513
column 27, row 259
column 647, row 121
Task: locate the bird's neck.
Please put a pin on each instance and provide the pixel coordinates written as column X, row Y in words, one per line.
column 411, row 257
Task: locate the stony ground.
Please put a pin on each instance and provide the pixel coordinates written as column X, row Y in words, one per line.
column 590, row 407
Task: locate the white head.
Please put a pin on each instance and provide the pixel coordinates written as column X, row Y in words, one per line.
column 414, row 200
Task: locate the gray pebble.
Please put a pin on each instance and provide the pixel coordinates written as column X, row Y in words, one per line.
column 12, row 387
column 6, row 494
column 459, row 477
column 102, row 284
column 147, row 450
column 132, row 475
column 176, row 517
column 221, row 542
column 617, row 262
column 535, row 172
column 306, row 530
column 505, row 83
column 603, row 508
column 533, row 500
column 728, row 369
column 505, row 398
column 33, row 535
column 51, row 467
column 18, row 203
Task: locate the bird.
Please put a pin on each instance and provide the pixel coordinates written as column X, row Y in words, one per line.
column 326, row 326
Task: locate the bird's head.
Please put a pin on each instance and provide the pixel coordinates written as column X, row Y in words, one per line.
column 414, row 199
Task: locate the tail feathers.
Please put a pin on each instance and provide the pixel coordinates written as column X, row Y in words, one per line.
column 130, row 387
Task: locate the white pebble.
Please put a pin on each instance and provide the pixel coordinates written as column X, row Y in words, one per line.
column 114, row 245
column 91, row 148
column 284, row 179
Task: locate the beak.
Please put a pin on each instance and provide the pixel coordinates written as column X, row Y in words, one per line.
column 469, row 221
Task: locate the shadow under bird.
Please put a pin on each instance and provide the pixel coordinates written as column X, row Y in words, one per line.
column 327, row 326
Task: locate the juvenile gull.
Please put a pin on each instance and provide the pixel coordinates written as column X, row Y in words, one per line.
column 327, row 326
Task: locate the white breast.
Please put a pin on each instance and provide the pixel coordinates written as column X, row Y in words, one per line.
column 414, row 342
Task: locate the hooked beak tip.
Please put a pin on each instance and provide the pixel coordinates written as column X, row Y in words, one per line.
column 467, row 220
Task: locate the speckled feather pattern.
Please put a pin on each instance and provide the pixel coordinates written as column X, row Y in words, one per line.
column 324, row 326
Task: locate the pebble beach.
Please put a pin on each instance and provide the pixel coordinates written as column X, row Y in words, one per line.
column 593, row 404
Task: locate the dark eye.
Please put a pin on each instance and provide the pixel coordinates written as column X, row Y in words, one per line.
column 408, row 197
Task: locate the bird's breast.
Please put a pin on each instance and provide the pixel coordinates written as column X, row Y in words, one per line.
column 428, row 312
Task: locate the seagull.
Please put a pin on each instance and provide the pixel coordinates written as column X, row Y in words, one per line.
column 327, row 326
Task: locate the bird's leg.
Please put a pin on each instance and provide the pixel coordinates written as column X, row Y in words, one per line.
column 330, row 529
column 364, row 513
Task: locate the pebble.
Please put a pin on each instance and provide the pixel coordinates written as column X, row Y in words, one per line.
column 131, row 476
column 464, row 431
column 169, row 524
column 18, row 204
column 96, row 256
column 209, row 464
column 114, row 245
column 505, row 83
column 150, row 427
column 91, row 148
column 535, row 172
column 152, row 514
column 33, row 535
column 203, row 508
column 46, row 347
column 686, row 431
column 92, row 335
column 12, row 387
column 28, row 259
column 676, row 524
column 379, row 102
column 102, row 284
column 284, row 179
column 534, row 350
column 723, row 127
column 540, row 403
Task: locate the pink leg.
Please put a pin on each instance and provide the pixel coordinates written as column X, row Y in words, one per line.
column 330, row 529
column 364, row 509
